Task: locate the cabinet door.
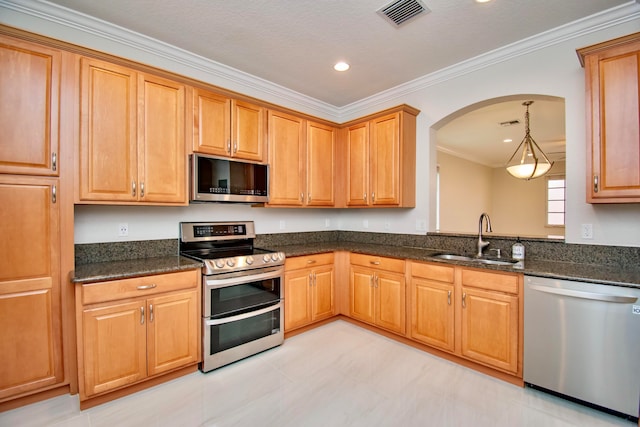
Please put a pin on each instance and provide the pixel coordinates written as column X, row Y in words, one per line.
column 211, row 127
column 361, row 292
column 248, row 131
column 30, row 313
column 489, row 332
column 432, row 317
column 385, row 160
column 358, row 165
column 321, row 145
column 297, row 298
column 108, row 149
column 29, row 107
column 323, row 293
column 286, row 159
column 613, row 85
column 114, row 346
column 161, row 141
column 172, row 331
column 390, row 301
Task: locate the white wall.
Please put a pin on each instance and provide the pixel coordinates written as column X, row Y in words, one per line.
column 550, row 70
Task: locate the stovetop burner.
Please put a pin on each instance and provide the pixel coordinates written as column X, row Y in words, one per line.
column 225, row 247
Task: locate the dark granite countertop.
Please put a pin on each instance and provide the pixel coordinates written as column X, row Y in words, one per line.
column 602, row 274
column 111, row 270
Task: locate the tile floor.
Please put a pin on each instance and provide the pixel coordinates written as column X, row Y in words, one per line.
column 335, row 375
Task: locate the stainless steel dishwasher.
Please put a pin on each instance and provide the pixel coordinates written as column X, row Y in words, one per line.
column 582, row 340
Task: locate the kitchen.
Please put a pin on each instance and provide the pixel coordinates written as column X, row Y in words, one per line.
column 561, row 75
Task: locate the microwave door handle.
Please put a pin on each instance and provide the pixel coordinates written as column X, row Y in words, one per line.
column 243, row 316
column 222, row 283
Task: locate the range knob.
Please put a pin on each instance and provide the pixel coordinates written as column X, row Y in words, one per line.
column 219, row 263
column 249, row 260
column 274, row 256
column 231, row 262
column 266, row 258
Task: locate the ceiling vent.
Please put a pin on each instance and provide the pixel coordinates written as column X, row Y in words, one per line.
column 400, row 12
column 510, row 123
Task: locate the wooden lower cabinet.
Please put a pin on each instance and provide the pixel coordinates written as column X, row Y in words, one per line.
column 309, row 294
column 473, row 313
column 377, row 291
column 125, row 341
column 31, row 355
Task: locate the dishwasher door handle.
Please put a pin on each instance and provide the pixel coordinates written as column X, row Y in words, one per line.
column 621, row 299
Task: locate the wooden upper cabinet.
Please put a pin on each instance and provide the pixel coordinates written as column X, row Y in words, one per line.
column 31, row 356
column 286, row 159
column 613, row 106
column 380, row 160
column 227, row 127
column 357, row 153
column 320, row 166
column 29, row 107
column 132, row 136
column 162, row 155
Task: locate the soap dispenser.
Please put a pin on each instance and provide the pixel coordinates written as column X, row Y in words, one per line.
column 517, row 250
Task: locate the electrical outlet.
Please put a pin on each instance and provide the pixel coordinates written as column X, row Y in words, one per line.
column 123, row 229
column 283, row 224
column 365, row 223
column 421, row 225
column 327, row 223
column 587, row 231
column 387, row 225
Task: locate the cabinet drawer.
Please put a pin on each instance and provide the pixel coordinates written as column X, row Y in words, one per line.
column 139, row 286
column 441, row 273
column 382, row 263
column 298, row 262
column 502, row 282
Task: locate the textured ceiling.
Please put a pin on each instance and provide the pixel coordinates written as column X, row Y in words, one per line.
column 294, row 43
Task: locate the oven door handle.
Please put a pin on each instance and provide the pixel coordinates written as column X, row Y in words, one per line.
column 243, row 316
column 211, row 283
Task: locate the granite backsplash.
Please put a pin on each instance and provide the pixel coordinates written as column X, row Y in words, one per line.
column 538, row 249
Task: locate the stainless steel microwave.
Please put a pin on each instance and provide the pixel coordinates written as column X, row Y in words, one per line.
column 216, row 179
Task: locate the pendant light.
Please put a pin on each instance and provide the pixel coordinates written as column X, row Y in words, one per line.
column 528, row 166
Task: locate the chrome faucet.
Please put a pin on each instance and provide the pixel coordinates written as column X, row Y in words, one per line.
column 481, row 243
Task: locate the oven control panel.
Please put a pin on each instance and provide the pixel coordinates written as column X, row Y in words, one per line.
column 214, row 231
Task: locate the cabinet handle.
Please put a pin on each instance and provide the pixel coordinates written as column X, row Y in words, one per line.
column 54, row 194
column 310, row 279
column 371, row 281
column 54, row 161
column 364, row 196
column 302, row 197
column 145, row 287
column 374, row 262
column 449, row 297
column 376, row 280
column 235, row 147
column 311, row 261
column 142, row 315
column 373, row 196
column 151, row 313
column 142, row 189
column 229, row 146
column 464, row 300
column 309, row 198
column 133, row 188
column 315, row 283
column 595, row 183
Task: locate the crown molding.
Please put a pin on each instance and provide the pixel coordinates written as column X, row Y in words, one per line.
column 71, row 26
column 68, row 25
column 615, row 16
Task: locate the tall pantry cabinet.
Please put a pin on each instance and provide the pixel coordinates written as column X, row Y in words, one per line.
column 36, row 221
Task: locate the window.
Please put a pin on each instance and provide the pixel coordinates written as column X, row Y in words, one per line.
column 555, row 201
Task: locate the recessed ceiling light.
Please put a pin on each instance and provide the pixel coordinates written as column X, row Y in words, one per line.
column 483, row 1
column 341, row 66
column 507, row 140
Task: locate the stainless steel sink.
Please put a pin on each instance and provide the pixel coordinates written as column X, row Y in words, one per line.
column 493, row 261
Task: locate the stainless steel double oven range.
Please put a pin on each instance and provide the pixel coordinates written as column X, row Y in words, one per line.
column 242, row 300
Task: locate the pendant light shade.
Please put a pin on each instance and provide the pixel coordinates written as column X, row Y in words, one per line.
column 524, row 163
